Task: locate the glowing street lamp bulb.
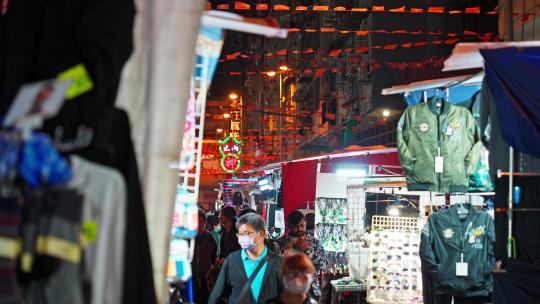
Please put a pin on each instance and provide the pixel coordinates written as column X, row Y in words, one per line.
column 226, row 115
column 219, row 130
column 233, row 96
column 271, row 73
column 386, row 113
column 284, row 68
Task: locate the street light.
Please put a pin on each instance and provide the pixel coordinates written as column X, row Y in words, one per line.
column 271, row 73
column 226, row 115
column 386, row 113
column 219, row 130
column 283, row 68
column 233, row 96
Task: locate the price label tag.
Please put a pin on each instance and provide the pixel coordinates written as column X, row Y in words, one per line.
column 462, row 269
column 90, row 231
column 439, row 164
column 81, row 82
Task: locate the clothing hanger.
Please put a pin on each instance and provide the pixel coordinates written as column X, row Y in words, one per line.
column 82, row 140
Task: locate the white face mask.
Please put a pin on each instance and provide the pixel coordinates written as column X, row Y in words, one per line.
column 246, row 242
column 297, row 286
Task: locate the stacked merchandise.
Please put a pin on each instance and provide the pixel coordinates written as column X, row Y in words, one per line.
column 331, row 228
column 394, row 265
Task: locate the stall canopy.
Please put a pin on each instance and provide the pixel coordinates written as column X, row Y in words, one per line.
column 460, row 88
column 512, row 75
column 467, row 56
column 300, row 176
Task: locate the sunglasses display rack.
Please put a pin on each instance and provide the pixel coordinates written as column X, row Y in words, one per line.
column 394, row 265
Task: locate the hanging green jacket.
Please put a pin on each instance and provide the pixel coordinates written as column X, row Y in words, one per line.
column 445, row 237
column 423, row 134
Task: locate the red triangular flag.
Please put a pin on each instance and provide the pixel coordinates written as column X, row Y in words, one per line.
column 472, row 10
column 262, row 7
column 241, row 6
column 398, row 10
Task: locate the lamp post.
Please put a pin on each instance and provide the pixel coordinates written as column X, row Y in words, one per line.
column 282, row 100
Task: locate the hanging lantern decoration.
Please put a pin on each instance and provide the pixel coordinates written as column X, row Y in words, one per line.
column 230, row 149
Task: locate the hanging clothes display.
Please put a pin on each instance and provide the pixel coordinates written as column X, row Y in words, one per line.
column 457, row 251
column 104, row 219
column 51, row 258
column 439, row 146
column 113, row 147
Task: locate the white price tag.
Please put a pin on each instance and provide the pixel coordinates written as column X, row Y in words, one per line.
column 279, row 221
column 439, row 164
column 462, row 269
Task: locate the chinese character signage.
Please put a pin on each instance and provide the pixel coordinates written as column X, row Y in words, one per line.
column 230, row 149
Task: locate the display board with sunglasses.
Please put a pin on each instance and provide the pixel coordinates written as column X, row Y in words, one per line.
column 394, row 267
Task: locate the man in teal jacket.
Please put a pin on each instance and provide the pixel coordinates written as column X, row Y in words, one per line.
column 439, row 146
column 446, row 237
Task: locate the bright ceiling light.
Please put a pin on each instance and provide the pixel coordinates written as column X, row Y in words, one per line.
column 393, row 211
column 271, row 73
column 284, row 68
column 226, row 115
column 351, row 172
column 386, row 113
column 233, row 96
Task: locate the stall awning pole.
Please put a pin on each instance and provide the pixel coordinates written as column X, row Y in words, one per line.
column 510, row 241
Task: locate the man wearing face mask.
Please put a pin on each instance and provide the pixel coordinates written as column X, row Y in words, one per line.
column 304, row 242
column 251, row 275
column 298, row 273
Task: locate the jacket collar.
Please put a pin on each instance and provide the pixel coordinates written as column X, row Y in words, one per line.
column 431, row 105
column 470, row 215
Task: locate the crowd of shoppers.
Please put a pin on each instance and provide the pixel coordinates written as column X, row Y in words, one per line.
column 235, row 262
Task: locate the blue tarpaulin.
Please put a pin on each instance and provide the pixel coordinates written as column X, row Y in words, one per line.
column 513, row 76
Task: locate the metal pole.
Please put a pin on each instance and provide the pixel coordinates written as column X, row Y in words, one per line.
column 510, row 36
column 510, row 202
column 280, row 119
column 510, row 20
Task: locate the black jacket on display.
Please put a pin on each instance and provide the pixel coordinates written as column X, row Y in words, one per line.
column 232, row 279
column 40, row 39
column 445, row 237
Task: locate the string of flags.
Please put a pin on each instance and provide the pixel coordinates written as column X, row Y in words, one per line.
column 435, row 61
column 486, row 37
column 242, row 6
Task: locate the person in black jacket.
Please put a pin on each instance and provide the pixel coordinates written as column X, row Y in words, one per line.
column 204, row 255
column 229, row 241
column 240, row 266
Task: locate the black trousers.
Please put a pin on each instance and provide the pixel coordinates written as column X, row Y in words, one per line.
column 446, row 299
column 200, row 290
